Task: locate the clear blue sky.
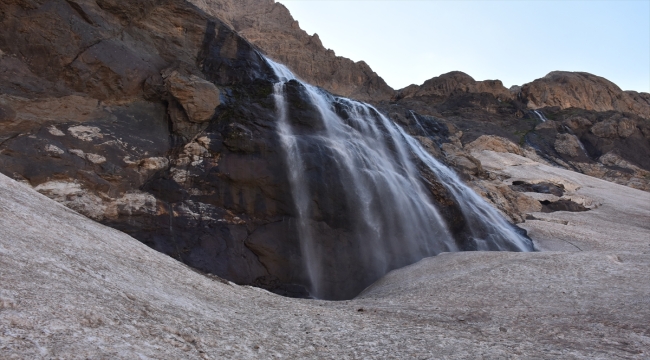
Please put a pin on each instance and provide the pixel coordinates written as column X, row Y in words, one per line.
column 410, row 41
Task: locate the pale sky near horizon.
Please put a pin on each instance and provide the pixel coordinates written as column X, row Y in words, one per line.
column 409, row 41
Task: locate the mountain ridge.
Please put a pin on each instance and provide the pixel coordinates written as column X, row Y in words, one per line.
column 270, row 25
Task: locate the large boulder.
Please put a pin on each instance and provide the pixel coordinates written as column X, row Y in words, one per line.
column 493, row 143
column 568, row 144
column 198, row 97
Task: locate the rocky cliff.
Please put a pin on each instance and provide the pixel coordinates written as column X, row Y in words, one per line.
column 270, row 26
column 453, row 83
column 152, row 117
column 159, row 120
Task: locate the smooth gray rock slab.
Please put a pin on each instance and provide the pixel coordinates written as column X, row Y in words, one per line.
column 72, row 288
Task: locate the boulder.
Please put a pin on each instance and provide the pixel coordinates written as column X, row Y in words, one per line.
column 198, row 97
column 567, row 144
column 626, row 128
column 493, row 143
column 605, row 129
column 576, row 123
column 461, row 160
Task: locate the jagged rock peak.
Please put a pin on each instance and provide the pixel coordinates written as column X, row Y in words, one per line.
column 270, row 26
column 455, row 82
column 583, row 90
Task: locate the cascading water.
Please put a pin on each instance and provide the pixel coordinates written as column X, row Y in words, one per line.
column 417, row 122
column 540, row 116
column 362, row 202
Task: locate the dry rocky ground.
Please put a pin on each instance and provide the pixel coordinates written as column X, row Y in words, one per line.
column 72, row 288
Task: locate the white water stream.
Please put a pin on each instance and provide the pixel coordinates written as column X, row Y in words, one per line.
column 540, row 115
column 393, row 221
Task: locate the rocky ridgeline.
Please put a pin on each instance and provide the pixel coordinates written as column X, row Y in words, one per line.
column 576, row 121
column 581, row 90
column 561, row 89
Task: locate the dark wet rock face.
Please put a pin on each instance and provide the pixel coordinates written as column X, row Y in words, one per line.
column 542, row 188
column 155, row 119
column 561, row 205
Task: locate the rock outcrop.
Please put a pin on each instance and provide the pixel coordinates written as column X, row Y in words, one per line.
column 600, row 136
column 584, row 91
column 270, row 26
column 199, row 98
column 455, row 82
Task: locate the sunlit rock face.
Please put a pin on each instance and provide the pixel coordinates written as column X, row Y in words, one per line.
column 456, row 82
column 577, row 121
column 584, row 91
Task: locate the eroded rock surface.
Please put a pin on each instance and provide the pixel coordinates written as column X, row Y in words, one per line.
column 74, row 288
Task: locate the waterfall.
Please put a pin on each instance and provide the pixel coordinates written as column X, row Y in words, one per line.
column 417, row 122
column 363, row 204
column 540, row 115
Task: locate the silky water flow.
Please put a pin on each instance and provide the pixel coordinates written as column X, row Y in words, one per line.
column 386, row 217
